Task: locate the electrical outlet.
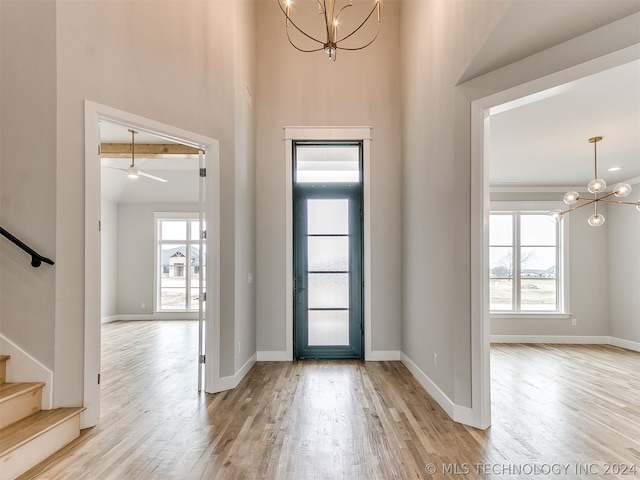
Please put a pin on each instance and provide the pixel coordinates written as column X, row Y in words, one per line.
column 238, row 349
column 574, row 322
column 435, row 359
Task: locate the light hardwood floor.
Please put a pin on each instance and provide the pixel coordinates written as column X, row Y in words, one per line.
column 558, row 412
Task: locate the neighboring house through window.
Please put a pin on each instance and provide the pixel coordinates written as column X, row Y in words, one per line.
column 178, row 262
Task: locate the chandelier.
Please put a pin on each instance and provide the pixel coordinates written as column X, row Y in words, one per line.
column 597, row 187
column 331, row 11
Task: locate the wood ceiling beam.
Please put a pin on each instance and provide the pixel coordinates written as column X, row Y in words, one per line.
column 145, row 149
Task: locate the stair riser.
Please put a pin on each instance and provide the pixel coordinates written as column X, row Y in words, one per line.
column 40, row 448
column 20, row 407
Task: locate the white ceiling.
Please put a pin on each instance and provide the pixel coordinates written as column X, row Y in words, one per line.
column 180, row 171
column 545, row 143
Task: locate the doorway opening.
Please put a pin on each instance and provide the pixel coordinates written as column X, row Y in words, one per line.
column 328, row 250
column 102, row 126
column 481, row 145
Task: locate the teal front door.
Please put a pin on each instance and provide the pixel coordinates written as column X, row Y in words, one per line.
column 328, row 245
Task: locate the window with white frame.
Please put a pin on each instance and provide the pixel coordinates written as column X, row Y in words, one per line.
column 526, row 263
column 178, row 262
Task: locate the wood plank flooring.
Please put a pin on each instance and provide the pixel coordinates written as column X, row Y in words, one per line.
column 558, row 412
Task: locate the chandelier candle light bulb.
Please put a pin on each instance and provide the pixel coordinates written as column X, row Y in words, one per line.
column 596, row 186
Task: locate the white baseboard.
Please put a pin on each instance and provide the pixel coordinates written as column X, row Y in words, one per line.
column 432, row 389
column 384, row 356
column 274, row 356
column 568, row 339
column 622, row 343
column 559, row 339
column 230, row 382
column 150, row 316
column 22, row 367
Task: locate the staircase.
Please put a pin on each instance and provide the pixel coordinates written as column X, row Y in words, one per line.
column 29, row 435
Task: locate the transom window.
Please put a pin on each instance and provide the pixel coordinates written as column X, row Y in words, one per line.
column 525, row 263
column 178, row 266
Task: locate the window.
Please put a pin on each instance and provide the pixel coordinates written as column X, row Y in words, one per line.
column 525, row 263
column 178, row 262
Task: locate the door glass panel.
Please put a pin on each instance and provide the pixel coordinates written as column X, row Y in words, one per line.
column 328, row 290
column 328, row 327
column 327, row 200
column 327, row 216
column 327, row 163
column 328, row 254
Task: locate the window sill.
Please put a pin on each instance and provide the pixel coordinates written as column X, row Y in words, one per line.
column 531, row 315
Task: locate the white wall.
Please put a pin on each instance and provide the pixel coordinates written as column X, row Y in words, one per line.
column 307, row 89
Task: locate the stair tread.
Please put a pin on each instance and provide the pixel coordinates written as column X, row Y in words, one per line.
column 21, row 432
column 14, row 389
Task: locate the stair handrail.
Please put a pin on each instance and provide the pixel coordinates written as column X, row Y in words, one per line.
column 36, row 258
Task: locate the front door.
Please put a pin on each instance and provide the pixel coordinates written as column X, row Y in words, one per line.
column 327, row 245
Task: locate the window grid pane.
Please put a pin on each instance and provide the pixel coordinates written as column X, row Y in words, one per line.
column 528, row 268
column 178, row 265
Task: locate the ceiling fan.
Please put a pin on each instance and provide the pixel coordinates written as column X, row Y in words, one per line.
column 133, row 172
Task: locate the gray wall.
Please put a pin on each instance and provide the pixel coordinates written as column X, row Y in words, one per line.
column 359, row 89
column 604, row 275
column 109, row 259
column 136, row 254
column 440, row 40
column 180, row 63
column 624, row 269
column 588, row 294
column 28, row 183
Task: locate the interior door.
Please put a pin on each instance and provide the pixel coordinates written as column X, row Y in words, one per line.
column 202, row 256
column 328, row 277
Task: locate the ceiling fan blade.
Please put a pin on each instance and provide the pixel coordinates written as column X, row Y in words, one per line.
column 114, row 168
column 153, row 177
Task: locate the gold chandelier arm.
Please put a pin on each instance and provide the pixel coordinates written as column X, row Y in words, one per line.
column 593, row 200
column 620, row 202
column 301, row 49
column 340, row 11
column 299, row 29
column 569, row 210
column 376, row 7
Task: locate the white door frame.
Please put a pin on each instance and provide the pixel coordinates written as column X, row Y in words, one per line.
column 327, row 134
column 481, row 110
column 92, row 313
